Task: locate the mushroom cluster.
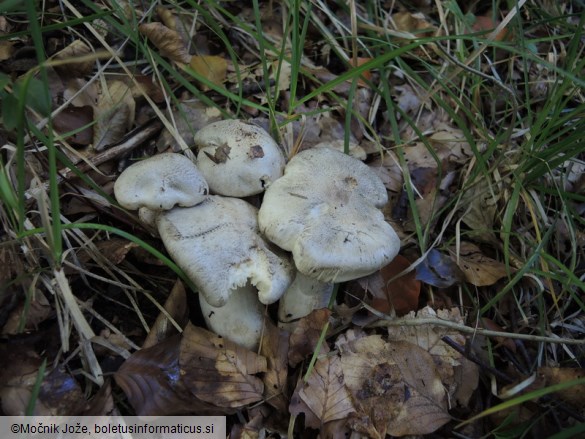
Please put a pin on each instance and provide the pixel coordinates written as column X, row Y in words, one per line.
column 319, row 223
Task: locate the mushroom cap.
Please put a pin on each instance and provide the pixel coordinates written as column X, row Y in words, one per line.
column 160, row 183
column 240, row 320
column 325, row 210
column 237, row 158
column 218, row 245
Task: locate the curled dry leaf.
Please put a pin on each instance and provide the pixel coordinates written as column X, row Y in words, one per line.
column 479, row 270
column 114, row 114
column 218, row 371
column 167, row 41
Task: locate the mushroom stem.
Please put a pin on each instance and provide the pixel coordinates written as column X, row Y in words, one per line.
column 303, row 296
column 240, row 320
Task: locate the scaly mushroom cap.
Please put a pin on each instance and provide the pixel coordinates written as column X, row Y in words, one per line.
column 237, row 158
column 160, row 183
column 218, row 245
column 325, row 210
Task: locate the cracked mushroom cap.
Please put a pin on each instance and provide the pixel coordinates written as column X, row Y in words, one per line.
column 326, row 211
column 237, row 158
column 160, row 183
column 218, row 245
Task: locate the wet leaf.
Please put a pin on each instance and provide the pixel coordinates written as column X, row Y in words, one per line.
column 439, row 270
column 218, row 371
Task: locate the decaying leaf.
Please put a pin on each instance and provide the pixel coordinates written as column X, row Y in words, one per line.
column 275, row 348
column 151, row 380
column 402, row 293
column 176, row 307
column 114, row 114
column 478, row 269
column 325, row 393
column 449, row 362
column 481, row 203
column 28, row 316
column 304, row 338
column 395, row 386
column 167, row 41
column 218, row 371
column 574, row 395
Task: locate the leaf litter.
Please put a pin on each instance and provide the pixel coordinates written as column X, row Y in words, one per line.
column 341, row 371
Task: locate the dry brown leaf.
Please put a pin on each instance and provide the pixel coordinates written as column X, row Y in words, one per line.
column 395, row 386
column 36, row 312
column 168, row 42
column 275, row 348
column 71, row 55
column 574, row 395
column 211, row 67
column 415, row 24
column 481, row 205
column 298, row 406
column 114, row 114
column 176, row 306
column 304, row 338
column 479, row 270
column 447, row 359
column 151, row 380
column 6, row 49
column 75, row 119
column 218, row 371
column 325, row 392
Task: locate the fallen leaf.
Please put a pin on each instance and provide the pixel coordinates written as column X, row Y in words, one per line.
column 482, row 202
column 479, row 270
column 439, row 270
column 78, row 119
column 167, row 41
column 114, row 114
column 304, row 338
column 275, row 348
column 69, row 63
column 213, row 68
column 395, row 385
column 28, row 315
column 402, row 292
column 574, row 395
column 218, row 371
column 176, row 307
column 325, row 393
column 152, row 381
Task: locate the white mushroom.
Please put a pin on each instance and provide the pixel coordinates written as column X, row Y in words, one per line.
column 218, row 246
column 237, row 158
column 325, row 210
column 303, row 296
column 160, row 183
column 240, row 320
